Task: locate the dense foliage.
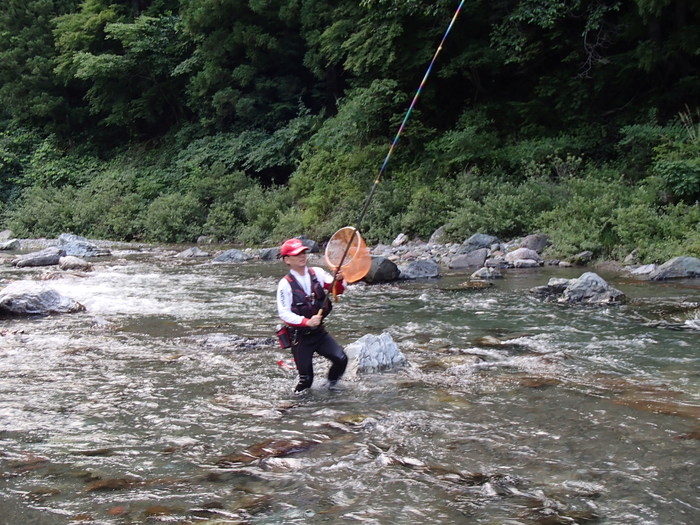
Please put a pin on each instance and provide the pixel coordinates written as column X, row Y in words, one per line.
column 252, row 120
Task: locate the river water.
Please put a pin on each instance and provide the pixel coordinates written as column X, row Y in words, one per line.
column 510, row 411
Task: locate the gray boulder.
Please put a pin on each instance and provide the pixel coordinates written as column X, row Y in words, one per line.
column 232, row 256
column 371, row 353
column 46, row 257
column 524, row 254
column 382, row 270
column 33, row 298
column 311, row 245
column 269, row 254
column 10, row 245
column 582, row 259
column 477, row 242
column 677, row 268
column 537, row 242
column 590, row 288
column 475, row 258
column 438, row 237
column 80, row 247
column 70, row 262
column 424, row 269
column 487, row 272
column 191, row 253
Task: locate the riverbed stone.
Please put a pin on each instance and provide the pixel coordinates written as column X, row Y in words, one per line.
column 232, row 256
column 424, row 269
column 70, row 262
column 439, row 236
column 537, row 242
column 478, row 241
column 269, row 254
column 677, row 268
column 47, row 257
column 372, row 353
column 191, row 253
column 475, row 258
column 9, row 245
column 524, row 254
column 582, row 258
column 591, row 288
column 79, row 246
column 487, row 272
column 382, row 270
column 400, row 240
column 33, row 298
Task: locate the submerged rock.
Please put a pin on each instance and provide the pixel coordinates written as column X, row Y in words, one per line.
column 192, row 252
column 33, row 298
column 266, row 449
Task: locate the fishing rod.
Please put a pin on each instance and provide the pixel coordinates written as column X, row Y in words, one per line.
column 378, row 178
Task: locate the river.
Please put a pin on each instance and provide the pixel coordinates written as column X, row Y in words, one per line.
column 510, row 411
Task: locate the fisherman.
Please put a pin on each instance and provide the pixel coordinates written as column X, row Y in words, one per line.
column 302, row 305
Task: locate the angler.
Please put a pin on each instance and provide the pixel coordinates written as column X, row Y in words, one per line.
column 302, row 304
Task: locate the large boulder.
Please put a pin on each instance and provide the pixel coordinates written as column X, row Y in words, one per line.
column 524, row 258
column 537, row 242
column 473, row 259
column 269, row 254
column 371, row 353
column 33, row 298
column 382, row 270
column 80, row 247
column 70, row 262
column 231, row 256
column 590, row 288
column 47, row 257
column 677, row 268
column 424, row 269
column 193, row 252
column 477, row 242
column 12, row 244
column 439, row 236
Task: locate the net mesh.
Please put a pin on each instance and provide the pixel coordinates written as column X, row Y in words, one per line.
column 357, row 261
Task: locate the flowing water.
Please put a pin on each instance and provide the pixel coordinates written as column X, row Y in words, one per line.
column 511, row 410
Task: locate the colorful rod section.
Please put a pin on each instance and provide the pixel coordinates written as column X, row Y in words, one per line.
column 408, row 113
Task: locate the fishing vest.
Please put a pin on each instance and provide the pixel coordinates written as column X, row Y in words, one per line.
column 308, row 305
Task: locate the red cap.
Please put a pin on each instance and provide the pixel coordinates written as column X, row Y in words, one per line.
column 292, row 247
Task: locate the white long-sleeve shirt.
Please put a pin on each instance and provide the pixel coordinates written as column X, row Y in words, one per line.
column 285, row 296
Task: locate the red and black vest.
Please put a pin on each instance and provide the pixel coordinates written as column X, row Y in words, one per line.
column 308, row 305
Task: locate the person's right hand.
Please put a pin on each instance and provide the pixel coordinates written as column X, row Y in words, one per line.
column 315, row 320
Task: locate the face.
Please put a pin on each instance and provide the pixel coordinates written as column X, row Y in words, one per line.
column 296, row 262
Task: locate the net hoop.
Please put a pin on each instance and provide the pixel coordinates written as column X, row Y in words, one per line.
column 357, row 261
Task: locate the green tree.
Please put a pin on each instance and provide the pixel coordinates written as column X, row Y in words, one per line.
column 124, row 58
column 31, row 94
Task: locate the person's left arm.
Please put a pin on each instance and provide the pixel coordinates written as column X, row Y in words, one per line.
column 326, row 279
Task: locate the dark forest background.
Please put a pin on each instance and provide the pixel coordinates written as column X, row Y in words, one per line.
column 248, row 121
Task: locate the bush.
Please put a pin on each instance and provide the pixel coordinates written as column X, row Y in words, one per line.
column 174, row 217
column 43, row 212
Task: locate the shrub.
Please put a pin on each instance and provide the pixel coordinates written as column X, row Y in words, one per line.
column 43, row 212
column 174, row 217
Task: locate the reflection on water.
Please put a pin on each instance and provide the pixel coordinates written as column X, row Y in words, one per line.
column 511, row 411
